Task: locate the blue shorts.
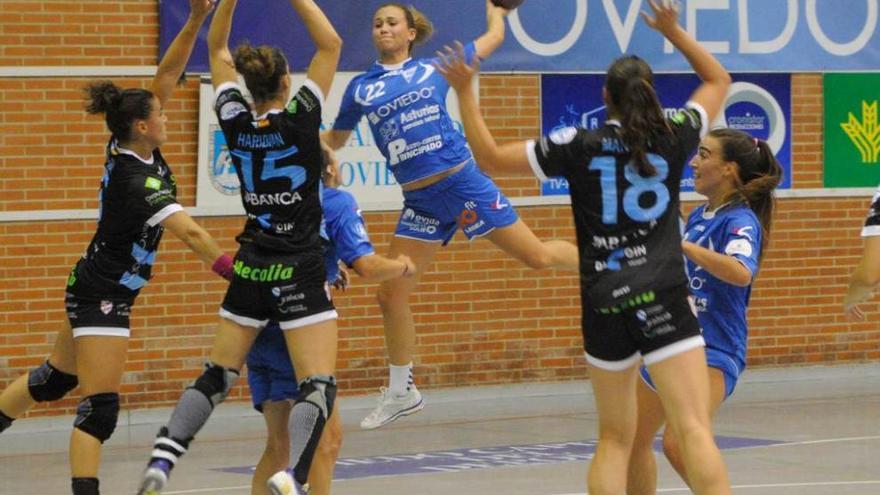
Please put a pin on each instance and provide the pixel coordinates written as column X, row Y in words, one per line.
column 271, row 376
column 467, row 199
column 719, row 360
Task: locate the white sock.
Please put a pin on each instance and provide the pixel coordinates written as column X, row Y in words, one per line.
column 401, row 379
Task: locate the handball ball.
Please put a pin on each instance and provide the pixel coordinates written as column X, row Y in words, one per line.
column 508, row 4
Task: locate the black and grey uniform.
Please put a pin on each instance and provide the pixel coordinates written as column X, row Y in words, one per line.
column 279, row 268
column 136, row 195
column 633, row 282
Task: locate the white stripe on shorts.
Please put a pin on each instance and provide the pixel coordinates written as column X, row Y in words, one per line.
column 242, row 320
column 621, row 365
column 101, row 331
column 675, row 349
column 308, row 320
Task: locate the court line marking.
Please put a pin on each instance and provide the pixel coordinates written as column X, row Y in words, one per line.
column 660, row 490
column 664, row 490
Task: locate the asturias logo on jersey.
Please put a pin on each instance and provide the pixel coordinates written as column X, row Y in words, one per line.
column 272, row 273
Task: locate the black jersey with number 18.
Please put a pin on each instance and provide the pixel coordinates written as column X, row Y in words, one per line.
column 627, row 225
column 278, row 160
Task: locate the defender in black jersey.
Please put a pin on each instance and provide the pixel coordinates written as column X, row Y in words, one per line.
column 137, row 202
column 624, row 182
column 278, row 272
column 866, row 276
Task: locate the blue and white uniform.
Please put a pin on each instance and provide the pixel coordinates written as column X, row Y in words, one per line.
column 405, row 105
column 733, row 230
column 270, row 373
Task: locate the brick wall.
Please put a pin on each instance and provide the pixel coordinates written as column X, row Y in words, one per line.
column 481, row 318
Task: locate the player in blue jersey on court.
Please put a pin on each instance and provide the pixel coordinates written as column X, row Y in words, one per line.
column 271, row 375
column 404, row 101
column 278, row 272
column 625, row 179
column 724, row 241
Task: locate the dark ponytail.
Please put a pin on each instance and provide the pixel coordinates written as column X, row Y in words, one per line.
column 630, row 87
column 759, row 173
column 262, row 68
column 121, row 107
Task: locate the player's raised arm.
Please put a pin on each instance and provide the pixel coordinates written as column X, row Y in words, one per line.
column 174, row 62
column 487, row 43
column 222, row 66
column 322, row 69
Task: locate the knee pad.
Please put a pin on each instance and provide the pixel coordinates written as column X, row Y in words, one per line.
column 5, row 421
column 319, row 390
column 97, row 415
column 47, row 383
column 216, row 382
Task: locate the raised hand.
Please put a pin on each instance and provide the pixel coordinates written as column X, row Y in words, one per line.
column 454, row 67
column 201, row 9
column 665, row 19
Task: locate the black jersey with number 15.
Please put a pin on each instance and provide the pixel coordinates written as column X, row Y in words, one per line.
column 627, row 225
column 278, row 161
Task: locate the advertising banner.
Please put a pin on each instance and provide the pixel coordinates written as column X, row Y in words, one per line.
column 852, row 130
column 759, row 104
column 581, row 35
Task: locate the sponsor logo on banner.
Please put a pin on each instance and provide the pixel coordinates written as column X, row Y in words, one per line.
column 583, row 35
column 759, row 104
column 852, row 130
column 865, row 132
column 221, row 170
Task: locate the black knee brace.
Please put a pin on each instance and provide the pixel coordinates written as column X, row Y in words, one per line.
column 5, row 421
column 48, row 383
column 318, row 392
column 97, row 415
column 216, row 382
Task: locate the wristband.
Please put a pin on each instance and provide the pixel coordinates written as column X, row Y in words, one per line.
column 223, row 266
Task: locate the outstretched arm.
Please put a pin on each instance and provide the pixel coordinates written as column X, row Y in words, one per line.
column 864, row 279
column 716, row 80
column 494, row 35
column 327, row 41
column 200, row 242
column 508, row 158
column 378, row 268
column 724, row 267
column 222, row 66
column 174, row 62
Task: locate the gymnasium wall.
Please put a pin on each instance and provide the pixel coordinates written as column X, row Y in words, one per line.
column 481, row 318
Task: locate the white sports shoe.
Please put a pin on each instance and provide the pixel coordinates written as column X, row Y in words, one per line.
column 282, row 483
column 391, row 407
column 154, row 480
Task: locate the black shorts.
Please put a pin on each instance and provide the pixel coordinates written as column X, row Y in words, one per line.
column 291, row 289
column 653, row 326
column 107, row 317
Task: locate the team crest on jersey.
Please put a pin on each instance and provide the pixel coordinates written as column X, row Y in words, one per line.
column 106, row 307
column 563, row 136
column 231, row 109
column 743, row 232
column 153, row 183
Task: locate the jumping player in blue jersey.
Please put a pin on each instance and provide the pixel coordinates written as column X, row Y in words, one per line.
column 278, row 272
column 866, row 276
column 404, row 101
column 625, row 179
column 724, row 241
column 271, row 375
column 138, row 201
